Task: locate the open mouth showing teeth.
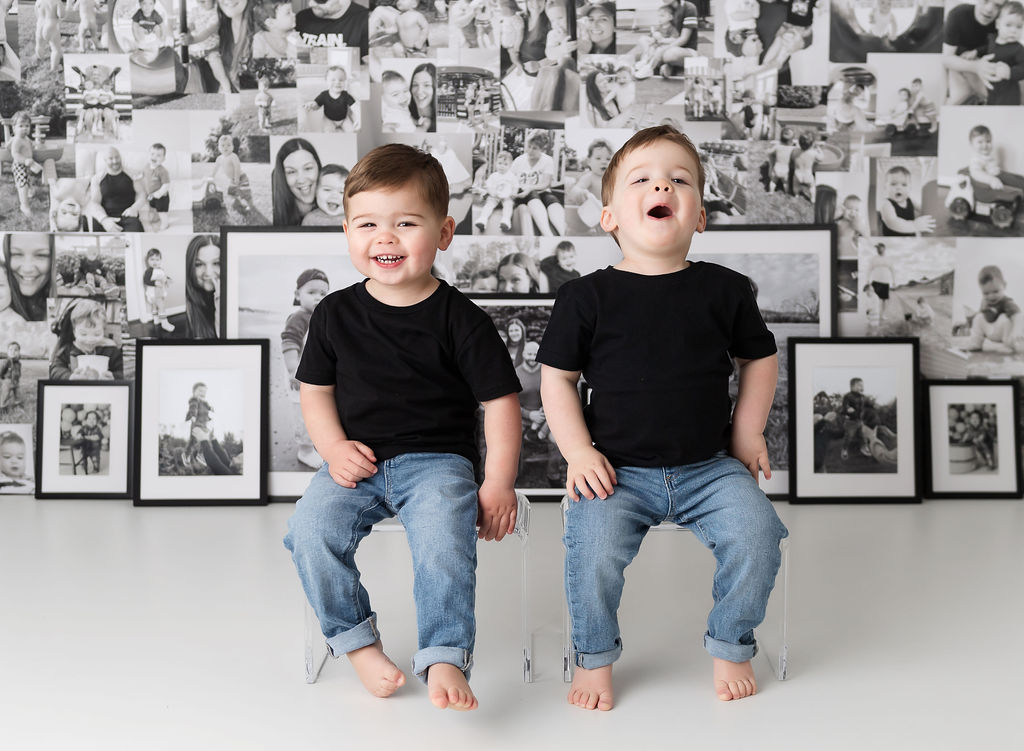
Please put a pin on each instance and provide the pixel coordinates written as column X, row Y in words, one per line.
column 387, row 260
column 660, row 212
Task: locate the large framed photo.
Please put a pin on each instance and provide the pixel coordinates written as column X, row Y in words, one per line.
column 276, row 276
column 852, row 420
column 201, row 433
column 972, row 445
column 792, row 270
column 84, row 439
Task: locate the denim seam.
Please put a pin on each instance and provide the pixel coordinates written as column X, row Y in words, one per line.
column 350, row 550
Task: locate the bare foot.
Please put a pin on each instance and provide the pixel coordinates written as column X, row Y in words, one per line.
column 734, row 680
column 380, row 676
column 592, row 689
column 449, row 688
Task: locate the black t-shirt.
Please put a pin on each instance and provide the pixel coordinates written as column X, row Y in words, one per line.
column 963, row 31
column 685, row 17
column 655, row 351
column 351, row 30
column 407, row 379
column 801, row 12
column 335, row 110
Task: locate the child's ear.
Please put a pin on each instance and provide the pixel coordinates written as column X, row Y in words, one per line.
column 608, row 223
column 702, row 220
column 447, row 233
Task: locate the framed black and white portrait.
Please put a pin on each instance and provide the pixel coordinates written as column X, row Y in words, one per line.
column 972, row 447
column 201, row 433
column 85, row 439
column 852, row 420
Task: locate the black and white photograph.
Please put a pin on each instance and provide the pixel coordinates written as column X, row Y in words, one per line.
column 904, row 287
column 414, row 28
column 853, row 413
column 898, row 189
column 303, row 184
column 208, row 401
column 980, row 179
column 842, row 198
column 17, row 466
column 790, row 37
column 469, row 97
column 987, row 321
column 852, row 100
column 231, row 176
column 790, row 270
column 537, row 44
column 908, row 105
column 270, row 292
column 510, row 266
column 981, row 41
column 860, row 28
column 972, row 447
column 538, row 167
column 324, row 100
column 611, row 96
column 521, row 326
column 98, row 97
column 10, row 62
column 750, row 100
column 588, row 152
column 84, row 433
column 159, row 159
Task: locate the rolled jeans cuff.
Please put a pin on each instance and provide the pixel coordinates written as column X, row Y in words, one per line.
column 460, row 658
column 357, row 637
column 723, row 650
column 594, row 660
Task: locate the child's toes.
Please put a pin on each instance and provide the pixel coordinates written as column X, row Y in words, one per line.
column 439, row 698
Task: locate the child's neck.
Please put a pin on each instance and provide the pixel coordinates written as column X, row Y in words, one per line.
column 646, row 264
column 403, row 295
column 1003, row 40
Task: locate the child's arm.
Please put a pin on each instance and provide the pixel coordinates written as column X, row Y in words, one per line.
column 589, row 470
column 753, row 403
column 923, row 223
column 348, row 461
column 353, row 115
column 503, row 435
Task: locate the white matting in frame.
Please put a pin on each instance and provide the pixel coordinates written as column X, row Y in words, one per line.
column 263, row 265
column 115, row 481
column 243, row 360
column 943, row 482
column 897, row 359
column 793, row 268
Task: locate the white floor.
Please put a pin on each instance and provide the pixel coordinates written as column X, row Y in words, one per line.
column 172, row 628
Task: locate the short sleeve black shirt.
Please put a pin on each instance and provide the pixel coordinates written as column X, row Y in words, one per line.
column 963, row 31
column 351, row 30
column 335, row 110
column 655, row 350
column 407, row 379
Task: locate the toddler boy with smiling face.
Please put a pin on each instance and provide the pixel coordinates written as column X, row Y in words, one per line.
column 655, row 337
column 391, row 376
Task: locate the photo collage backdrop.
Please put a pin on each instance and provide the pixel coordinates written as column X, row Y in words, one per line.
column 135, row 130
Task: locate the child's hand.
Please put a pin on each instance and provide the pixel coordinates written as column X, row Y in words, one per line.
column 310, row 106
column 349, row 462
column 924, row 223
column 497, row 511
column 751, row 449
column 591, row 472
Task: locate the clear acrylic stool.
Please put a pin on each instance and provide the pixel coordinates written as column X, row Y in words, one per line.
column 772, row 639
column 316, row 646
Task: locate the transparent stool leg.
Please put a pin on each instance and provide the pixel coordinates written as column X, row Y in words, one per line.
column 316, row 647
column 772, row 636
column 523, row 531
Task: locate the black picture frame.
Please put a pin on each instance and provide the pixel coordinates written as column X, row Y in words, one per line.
column 840, row 452
column 171, row 468
column 111, row 476
column 958, row 463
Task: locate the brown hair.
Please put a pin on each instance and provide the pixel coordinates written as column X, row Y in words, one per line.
column 395, row 165
column 646, row 137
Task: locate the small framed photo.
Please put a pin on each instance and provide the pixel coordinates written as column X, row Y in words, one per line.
column 84, row 439
column 201, row 432
column 852, row 420
column 972, row 445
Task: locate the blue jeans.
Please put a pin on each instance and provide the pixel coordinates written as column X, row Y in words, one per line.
column 435, row 497
column 718, row 500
